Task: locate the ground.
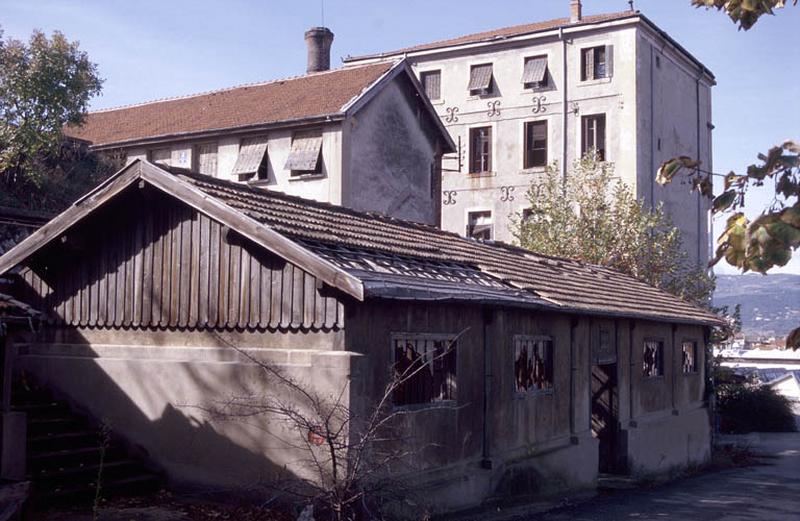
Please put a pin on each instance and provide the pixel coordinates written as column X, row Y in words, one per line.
column 765, row 491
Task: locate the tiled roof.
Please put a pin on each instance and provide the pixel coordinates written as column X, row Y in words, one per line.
column 314, row 95
column 505, row 32
column 342, row 235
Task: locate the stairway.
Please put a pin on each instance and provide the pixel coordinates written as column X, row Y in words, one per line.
column 66, row 453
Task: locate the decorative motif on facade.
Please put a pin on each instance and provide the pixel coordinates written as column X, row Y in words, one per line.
column 449, row 197
column 506, row 193
column 493, row 110
column 451, row 115
column 538, row 104
column 575, row 107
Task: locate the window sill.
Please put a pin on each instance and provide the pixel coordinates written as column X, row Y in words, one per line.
column 476, row 97
column 533, row 394
column 436, row 102
column 600, row 81
column 306, row 177
column 481, row 174
column 536, row 90
column 258, row 183
column 533, row 170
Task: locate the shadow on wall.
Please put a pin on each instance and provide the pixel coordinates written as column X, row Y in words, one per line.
column 157, row 398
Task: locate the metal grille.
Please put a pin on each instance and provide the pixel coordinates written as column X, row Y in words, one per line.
column 533, row 363
column 425, row 367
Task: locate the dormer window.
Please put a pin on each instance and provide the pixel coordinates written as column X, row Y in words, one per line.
column 481, row 80
column 534, row 75
column 251, row 164
column 305, row 158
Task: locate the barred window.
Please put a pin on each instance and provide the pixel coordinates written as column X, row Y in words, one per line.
column 689, row 350
column 653, row 358
column 425, row 366
column 533, row 363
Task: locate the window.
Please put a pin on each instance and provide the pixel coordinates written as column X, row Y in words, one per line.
column 480, row 80
column 305, row 158
column 432, row 83
column 479, row 225
column 535, row 144
column 689, row 350
column 161, row 156
column 533, row 363
column 594, row 135
column 206, row 159
column 534, row 74
column 425, row 367
column 480, row 150
column 252, row 160
column 597, row 62
column 653, row 358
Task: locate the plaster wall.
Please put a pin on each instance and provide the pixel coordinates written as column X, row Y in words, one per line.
column 389, row 158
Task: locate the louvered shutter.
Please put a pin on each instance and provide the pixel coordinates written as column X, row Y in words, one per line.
column 251, row 155
column 588, row 64
column 609, row 61
column 535, row 70
column 304, row 156
column 480, row 77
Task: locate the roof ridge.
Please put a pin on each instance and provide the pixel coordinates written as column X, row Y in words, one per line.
column 305, row 202
column 231, row 88
column 555, row 22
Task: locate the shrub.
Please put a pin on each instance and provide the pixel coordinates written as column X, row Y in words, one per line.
column 747, row 408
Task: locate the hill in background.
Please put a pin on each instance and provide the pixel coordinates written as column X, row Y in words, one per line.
column 770, row 304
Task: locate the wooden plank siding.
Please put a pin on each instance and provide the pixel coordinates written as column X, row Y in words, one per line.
column 152, row 262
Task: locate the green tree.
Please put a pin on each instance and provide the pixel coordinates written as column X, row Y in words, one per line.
column 594, row 217
column 744, row 12
column 44, row 85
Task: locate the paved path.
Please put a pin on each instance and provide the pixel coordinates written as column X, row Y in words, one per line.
column 765, row 492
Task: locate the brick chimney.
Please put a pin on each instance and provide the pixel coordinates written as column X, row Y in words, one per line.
column 319, row 40
column 575, row 11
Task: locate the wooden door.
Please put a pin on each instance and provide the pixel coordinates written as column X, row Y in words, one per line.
column 605, row 414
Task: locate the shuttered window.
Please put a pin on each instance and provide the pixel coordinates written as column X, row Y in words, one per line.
column 597, row 62
column 480, row 79
column 480, row 150
column 161, row 156
column 535, row 144
column 534, row 74
column 480, row 226
column 206, row 159
column 252, row 159
column 594, row 135
column 305, row 155
column 432, row 83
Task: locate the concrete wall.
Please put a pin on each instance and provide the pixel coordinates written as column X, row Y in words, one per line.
column 152, row 387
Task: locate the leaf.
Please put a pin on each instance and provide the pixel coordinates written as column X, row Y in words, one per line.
column 793, row 339
column 670, row 168
column 723, row 201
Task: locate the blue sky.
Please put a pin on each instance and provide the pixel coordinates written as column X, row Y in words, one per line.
column 151, row 49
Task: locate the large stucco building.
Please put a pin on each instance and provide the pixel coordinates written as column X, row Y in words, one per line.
column 366, row 138
column 519, row 98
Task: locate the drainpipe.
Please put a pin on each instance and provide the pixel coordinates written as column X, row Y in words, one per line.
column 486, row 462
column 631, row 329
column 572, row 369
column 653, row 166
column 564, row 101
column 699, row 197
column 673, row 368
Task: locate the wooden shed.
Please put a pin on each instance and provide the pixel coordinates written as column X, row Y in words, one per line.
column 562, row 370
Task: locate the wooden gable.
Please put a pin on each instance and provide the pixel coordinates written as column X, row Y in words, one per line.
column 147, row 260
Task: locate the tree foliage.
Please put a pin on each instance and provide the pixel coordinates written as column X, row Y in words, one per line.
column 594, row 217
column 44, row 85
column 744, row 12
